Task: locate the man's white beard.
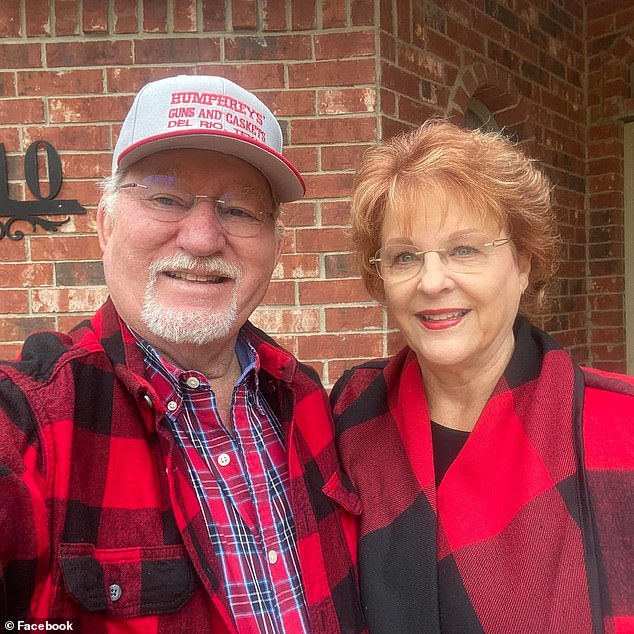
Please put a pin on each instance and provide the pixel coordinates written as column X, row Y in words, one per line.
column 197, row 327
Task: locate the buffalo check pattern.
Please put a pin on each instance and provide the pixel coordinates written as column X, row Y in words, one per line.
column 530, row 530
column 99, row 517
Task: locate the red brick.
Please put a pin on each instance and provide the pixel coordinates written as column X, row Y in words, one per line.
column 94, row 16
column 79, row 274
column 47, row 248
column 10, row 350
column 362, row 12
column 11, row 141
column 344, row 130
column 354, row 318
column 340, row 346
column 340, row 265
column 296, row 266
column 299, row 214
column 256, row 77
column 90, row 53
column 332, row 291
column 15, row 111
column 178, row 50
column 274, row 13
column 84, row 110
column 184, row 13
column 343, row 73
column 155, row 15
column 270, row 47
column 11, row 250
column 31, row 83
column 304, row 158
column 126, row 19
column 244, row 14
column 395, row 342
column 20, row 56
column 18, row 328
column 7, row 85
column 38, row 18
column 213, row 15
column 347, row 100
column 333, row 14
column 14, row 301
column 321, row 240
column 10, row 18
column 66, row 17
column 25, row 275
column 400, row 81
column 343, row 45
column 609, row 352
column 335, row 213
column 328, row 185
column 341, row 157
column 280, row 293
column 303, row 15
column 285, row 320
column 65, row 300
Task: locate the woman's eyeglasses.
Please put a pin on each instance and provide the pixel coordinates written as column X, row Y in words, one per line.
column 401, row 262
column 167, row 199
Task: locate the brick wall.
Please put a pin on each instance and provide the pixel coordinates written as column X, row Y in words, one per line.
column 339, row 74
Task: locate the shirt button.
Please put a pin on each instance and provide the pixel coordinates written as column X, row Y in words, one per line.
column 172, row 406
column 224, row 459
column 272, row 556
column 115, row 592
column 193, row 382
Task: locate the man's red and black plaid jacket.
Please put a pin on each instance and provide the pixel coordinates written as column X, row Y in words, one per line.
column 98, row 519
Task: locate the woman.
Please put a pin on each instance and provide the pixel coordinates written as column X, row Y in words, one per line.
column 495, row 475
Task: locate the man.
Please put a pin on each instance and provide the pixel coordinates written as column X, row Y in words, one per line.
column 166, row 467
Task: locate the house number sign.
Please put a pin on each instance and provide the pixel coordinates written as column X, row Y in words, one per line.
column 31, row 211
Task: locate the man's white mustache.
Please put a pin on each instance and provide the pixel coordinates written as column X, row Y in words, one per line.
column 182, row 262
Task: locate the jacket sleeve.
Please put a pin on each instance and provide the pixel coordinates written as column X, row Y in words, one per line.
column 23, row 509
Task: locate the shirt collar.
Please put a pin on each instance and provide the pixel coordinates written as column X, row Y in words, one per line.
column 247, row 357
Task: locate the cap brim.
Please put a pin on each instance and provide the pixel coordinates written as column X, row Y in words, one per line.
column 286, row 182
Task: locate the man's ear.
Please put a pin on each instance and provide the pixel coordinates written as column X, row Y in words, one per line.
column 280, row 239
column 105, row 225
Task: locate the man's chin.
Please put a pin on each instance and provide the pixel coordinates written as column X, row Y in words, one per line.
column 189, row 326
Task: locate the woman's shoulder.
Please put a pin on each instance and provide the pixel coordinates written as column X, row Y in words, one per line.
column 608, row 382
column 366, row 386
column 608, row 421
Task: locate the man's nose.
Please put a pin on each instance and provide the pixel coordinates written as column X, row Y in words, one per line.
column 200, row 232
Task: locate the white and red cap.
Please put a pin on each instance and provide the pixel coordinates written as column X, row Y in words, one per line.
column 209, row 113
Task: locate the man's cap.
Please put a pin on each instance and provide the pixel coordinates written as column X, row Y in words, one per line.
column 208, row 113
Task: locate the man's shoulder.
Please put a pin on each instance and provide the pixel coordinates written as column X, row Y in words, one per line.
column 45, row 351
column 278, row 361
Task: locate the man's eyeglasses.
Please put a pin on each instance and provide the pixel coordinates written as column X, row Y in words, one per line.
column 167, row 199
column 402, row 262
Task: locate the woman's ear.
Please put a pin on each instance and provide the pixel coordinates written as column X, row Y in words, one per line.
column 524, row 267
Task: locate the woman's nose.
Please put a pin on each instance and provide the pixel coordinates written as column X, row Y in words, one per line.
column 433, row 276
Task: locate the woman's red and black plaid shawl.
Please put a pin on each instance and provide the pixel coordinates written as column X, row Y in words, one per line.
column 531, row 529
